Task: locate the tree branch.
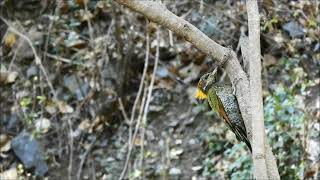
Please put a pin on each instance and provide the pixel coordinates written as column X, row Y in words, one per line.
column 263, row 168
column 158, row 13
column 258, row 141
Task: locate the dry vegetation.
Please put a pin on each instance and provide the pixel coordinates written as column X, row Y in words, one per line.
column 100, row 89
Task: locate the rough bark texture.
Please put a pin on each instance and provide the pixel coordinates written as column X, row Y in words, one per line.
column 245, row 52
column 158, row 13
column 263, row 166
column 258, row 141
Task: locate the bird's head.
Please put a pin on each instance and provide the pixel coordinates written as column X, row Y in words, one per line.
column 203, row 86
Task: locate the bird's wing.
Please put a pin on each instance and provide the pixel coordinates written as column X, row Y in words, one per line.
column 217, row 106
column 226, row 105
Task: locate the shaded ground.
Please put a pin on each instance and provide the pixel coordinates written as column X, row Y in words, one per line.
column 173, row 145
column 92, row 56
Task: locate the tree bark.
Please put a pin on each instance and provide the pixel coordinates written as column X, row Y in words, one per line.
column 258, row 141
column 264, row 165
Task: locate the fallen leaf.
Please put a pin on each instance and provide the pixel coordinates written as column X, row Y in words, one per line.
column 4, row 143
column 137, row 141
column 10, row 40
column 86, row 16
column 51, row 107
column 269, row 60
column 85, row 125
column 64, row 108
column 196, row 168
column 175, row 153
column 42, row 125
column 81, row 2
column 8, row 77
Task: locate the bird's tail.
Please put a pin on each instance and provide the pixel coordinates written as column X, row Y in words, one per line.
column 248, row 144
column 241, row 135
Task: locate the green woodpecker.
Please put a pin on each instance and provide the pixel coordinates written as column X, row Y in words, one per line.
column 222, row 100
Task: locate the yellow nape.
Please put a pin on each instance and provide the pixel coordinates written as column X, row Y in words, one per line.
column 200, row 94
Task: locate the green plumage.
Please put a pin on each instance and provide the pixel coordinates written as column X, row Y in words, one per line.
column 223, row 101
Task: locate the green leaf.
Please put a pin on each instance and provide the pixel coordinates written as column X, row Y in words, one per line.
column 25, row 101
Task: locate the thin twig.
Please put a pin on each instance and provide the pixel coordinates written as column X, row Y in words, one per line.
column 135, row 132
column 65, row 60
column 125, row 116
column 89, row 23
column 130, row 141
column 14, row 56
column 93, row 170
column 71, row 150
column 146, row 108
column 37, row 58
column 83, row 158
column 46, row 46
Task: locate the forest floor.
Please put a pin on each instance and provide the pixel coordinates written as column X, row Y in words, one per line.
column 71, row 72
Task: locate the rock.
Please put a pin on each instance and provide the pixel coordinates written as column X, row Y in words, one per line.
column 196, row 168
column 174, row 171
column 71, row 83
column 32, row 71
column 162, row 72
column 9, row 174
column 12, row 122
column 82, row 92
column 28, row 151
column 42, row 125
column 294, row 29
column 76, row 86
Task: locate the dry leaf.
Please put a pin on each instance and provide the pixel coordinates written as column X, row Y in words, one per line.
column 10, row 40
column 175, row 153
column 137, row 141
column 64, row 107
column 8, row 77
column 51, row 108
column 81, row 2
column 42, row 125
column 269, row 60
column 85, row 125
column 87, row 16
column 5, row 142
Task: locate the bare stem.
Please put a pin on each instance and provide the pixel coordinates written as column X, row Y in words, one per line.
column 133, row 111
column 260, row 163
column 146, row 108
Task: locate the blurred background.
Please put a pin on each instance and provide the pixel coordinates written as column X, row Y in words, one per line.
column 80, row 100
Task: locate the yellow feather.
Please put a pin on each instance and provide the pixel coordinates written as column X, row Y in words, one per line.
column 200, row 94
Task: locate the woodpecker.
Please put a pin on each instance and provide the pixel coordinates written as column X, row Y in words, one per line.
column 223, row 101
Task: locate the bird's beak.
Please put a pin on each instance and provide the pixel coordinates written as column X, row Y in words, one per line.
column 200, row 101
column 200, row 96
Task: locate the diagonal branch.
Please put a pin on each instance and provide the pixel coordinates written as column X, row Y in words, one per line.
column 158, row 13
